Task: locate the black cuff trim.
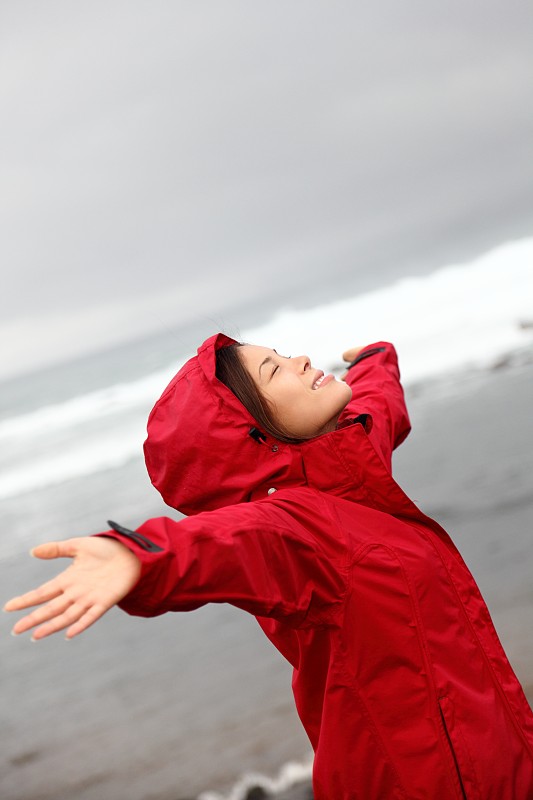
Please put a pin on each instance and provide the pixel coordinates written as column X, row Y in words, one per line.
column 365, row 354
column 136, row 537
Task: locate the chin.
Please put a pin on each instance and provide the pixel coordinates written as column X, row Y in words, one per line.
column 345, row 393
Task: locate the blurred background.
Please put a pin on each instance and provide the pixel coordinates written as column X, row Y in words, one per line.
column 305, row 175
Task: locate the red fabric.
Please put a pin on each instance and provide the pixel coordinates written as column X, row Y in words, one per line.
column 399, row 677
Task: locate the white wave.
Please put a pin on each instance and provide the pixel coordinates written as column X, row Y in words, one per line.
column 291, row 774
column 116, row 399
column 77, row 461
column 456, row 318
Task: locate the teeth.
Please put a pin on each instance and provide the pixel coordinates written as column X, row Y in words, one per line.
column 317, row 383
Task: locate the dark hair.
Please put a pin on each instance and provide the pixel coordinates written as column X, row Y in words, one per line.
column 231, row 371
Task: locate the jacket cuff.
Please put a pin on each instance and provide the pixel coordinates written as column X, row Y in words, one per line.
column 366, row 352
column 150, row 554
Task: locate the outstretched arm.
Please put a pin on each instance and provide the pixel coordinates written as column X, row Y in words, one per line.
column 102, row 572
column 374, row 378
column 255, row 556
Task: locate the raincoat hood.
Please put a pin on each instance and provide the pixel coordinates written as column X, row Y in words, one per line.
column 204, row 450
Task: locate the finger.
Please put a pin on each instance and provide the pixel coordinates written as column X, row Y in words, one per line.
column 47, row 591
column 66, row 549
column 350, row 354
column 71, row 615
column 89, row 618
column 43, row 614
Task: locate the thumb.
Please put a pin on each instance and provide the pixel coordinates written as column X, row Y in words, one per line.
column 66, row 549
column 350, row 354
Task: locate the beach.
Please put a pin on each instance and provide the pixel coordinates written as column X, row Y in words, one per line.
column 312, row 180
column 180, row 705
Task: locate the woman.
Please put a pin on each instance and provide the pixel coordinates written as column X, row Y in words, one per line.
column 293, row 515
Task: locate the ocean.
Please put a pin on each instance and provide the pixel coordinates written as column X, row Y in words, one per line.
column 198, row 705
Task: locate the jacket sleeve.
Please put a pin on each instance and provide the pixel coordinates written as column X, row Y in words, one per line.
column 243, row 555
column 374, row 378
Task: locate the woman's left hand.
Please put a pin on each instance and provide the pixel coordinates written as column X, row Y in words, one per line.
column 102, row 572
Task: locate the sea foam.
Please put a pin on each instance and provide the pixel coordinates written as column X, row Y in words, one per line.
column 290, row 775
column 460, row 317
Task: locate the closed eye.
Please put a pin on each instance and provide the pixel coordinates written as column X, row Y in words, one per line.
column 266, row 361
column 277, row 365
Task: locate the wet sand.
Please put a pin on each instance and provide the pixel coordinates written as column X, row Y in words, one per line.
column 164, row 709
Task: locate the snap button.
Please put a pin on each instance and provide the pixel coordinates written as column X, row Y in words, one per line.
column 271, row 490
column 275, row 448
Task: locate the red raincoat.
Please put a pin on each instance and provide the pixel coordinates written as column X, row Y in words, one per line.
column 399, row 677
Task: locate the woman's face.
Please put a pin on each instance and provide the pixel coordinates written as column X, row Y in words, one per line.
column 304, row 401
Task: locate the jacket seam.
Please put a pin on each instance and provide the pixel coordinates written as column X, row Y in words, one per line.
column 345, row 565
column 492, row 671
column 422, row 643
column 290, row 609
column 342, row 563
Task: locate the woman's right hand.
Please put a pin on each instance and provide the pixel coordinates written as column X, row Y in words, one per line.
column 349, row 356
column 102, row 572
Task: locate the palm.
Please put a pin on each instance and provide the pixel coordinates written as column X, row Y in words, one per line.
column 102, row 572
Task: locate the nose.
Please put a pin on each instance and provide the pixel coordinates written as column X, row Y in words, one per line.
column 302, row 363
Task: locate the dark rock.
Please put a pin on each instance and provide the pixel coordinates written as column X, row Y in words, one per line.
column 257, row 793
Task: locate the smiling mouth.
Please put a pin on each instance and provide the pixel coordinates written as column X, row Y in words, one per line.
column 321, row 379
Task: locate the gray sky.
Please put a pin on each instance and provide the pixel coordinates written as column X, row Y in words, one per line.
column 165, row 160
